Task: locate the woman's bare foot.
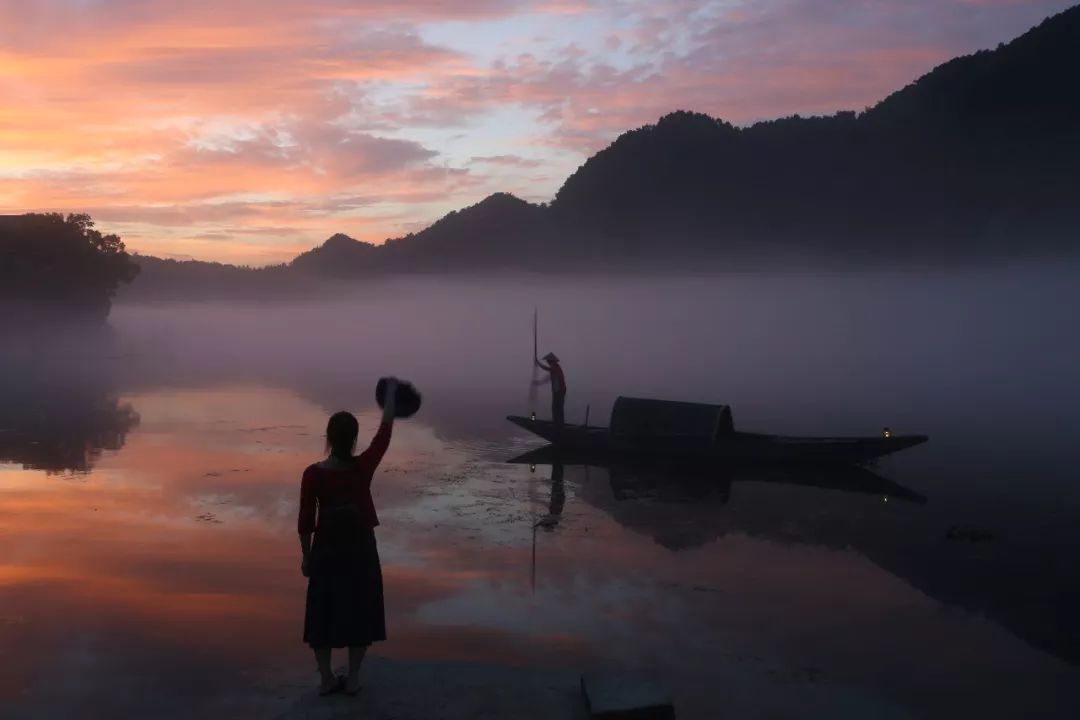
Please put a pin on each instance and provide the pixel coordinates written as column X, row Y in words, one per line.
column 331, row 685
column 356, row 659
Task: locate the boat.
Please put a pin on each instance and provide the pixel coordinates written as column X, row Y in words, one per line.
column 695, row 432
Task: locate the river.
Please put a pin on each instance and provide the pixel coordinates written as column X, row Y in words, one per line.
column 149, row 481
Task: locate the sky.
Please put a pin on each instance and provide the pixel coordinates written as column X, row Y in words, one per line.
column 247, row 131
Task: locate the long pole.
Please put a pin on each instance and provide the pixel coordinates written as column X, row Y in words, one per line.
column 532, row 573
column 535, row 376
column 532, row 479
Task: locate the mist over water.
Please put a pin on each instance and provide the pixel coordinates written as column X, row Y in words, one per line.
column 983, row 362
column 179, row 436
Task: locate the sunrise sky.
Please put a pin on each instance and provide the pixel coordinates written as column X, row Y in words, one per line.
column 249, row 130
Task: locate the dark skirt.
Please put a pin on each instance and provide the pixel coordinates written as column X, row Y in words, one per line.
column 345, row 589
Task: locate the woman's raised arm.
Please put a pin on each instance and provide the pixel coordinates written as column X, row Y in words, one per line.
column 379, row 444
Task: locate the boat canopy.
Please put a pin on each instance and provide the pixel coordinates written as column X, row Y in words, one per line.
column 695, row 423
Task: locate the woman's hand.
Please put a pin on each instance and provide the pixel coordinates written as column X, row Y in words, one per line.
column 390, row 401
column 305, row 553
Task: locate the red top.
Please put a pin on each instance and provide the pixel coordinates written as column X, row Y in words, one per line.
column 331, row 487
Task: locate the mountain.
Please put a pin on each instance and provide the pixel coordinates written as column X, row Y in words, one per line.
column 1026, row 84
column 339, row 255
column 972, row 157
column 977, row 158
column 501, row 231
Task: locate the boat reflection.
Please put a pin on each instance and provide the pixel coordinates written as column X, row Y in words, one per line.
column 1024, row 587
column 695, row 481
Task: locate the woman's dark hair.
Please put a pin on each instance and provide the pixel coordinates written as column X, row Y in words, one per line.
column 341, row 432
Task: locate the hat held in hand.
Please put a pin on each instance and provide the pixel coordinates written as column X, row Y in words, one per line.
column 407, row 398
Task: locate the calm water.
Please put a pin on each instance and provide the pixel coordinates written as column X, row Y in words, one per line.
column 149, row 479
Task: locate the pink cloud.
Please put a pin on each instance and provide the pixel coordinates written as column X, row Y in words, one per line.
column 753, row 61
column 505, row 160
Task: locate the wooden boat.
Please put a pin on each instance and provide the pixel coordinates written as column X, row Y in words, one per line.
column 703, row 433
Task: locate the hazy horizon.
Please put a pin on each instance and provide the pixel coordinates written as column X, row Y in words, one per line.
column 878, row 339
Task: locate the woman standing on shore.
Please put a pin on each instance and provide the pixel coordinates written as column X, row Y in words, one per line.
column 345, row 589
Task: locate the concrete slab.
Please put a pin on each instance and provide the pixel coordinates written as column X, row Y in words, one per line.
column 412, row 690
column 434, row 690
column 622, row 695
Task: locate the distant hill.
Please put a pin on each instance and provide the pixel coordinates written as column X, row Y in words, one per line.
column 168, row 279
column 500, row 231
column 338, row 255
column 979, row 157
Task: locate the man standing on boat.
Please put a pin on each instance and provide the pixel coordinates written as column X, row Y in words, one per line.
column 558, row 387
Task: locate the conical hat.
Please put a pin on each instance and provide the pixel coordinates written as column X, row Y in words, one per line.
column 551, row 357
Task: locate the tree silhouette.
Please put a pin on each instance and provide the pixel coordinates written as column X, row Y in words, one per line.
column 55, row 267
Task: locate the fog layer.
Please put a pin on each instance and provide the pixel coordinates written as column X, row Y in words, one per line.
column 983, row 362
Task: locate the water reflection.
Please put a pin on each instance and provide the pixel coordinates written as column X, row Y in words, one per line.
column 1026, row 587
column 150, row 587
column 60, row 421
column 142, row 590
column 674, row 484
column 175, row 561
column 558, row 497
column 674, row 480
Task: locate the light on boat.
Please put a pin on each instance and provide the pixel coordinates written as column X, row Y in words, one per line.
column 886, row 499
column 886, row 433
column 532, row 468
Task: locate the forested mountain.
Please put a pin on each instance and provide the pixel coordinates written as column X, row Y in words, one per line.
column 338, row 255
column 980, row 157
column 982, row 151
column 500, row 231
